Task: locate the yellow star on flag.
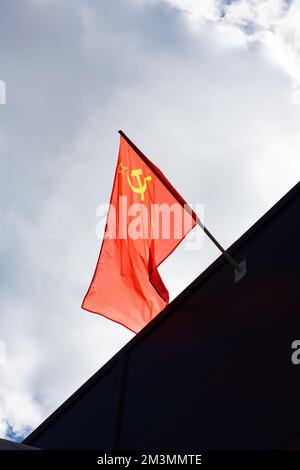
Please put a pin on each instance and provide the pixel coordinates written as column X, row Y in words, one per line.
column 122, row 168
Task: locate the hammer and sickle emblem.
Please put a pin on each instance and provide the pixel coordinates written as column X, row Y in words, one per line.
column 141, row 188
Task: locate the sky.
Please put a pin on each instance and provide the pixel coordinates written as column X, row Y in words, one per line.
column 209, row 90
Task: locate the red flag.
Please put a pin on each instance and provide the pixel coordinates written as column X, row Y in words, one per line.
column 146, row 220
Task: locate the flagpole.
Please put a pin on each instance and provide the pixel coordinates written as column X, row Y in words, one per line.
column 229, row 258
column 180, row 199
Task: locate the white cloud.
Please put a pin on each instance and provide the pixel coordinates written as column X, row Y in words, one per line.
column 214, row 114
column 274, row 24
column 208, row 10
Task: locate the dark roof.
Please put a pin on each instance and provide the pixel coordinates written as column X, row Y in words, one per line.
column 10, row 445
column 271, row 249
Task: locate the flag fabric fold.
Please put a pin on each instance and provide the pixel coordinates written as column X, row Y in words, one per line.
column 146, row 221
